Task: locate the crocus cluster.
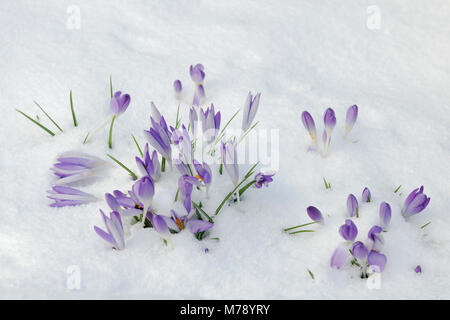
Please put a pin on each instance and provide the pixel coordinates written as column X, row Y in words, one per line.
column 70, row 168
column 329, row 120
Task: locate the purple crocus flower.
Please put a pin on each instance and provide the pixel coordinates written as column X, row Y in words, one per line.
column 376, row 238
column 119, row 103
column 114, row 234
column 314, row 214
column 309, row 124
column 352, row 205
column 366, row 195
column 144, row 190
column 339, row 256
column 210, row 123
column 415, row 203
column 377, row 261
column 203, row 173
column 177, row 87
column 126, row 205
column 229, row 159
column 348, row 231
column 385, row 214
column 359, row 250
column 159, row 138
column 329, row 120
column 178, row 223
column 181, row 165
column 182, row 140
column 263, row 179
column 159, row 222
column 201, row 92
column 193, row 119
column 154, row 112
column 149, row 166
column 67, row 196
column 196, row 99
column 75, row 166
column 350, row 119
column 197, row 73
column 250, row 108
column 418, row 269
column 185, row 183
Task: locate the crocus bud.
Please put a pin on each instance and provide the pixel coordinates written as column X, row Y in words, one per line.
column 112, row 202
column 359, row 250
column 418, row 269
column 339, row 256
column 154, row 112
column 250, row 108
column 314, row 214
column 385, row 214
column 144, row 190
column 329, row 120
column 177, row 87
column 352, row 205
column 415, row 203
column 197, row 73
column 352, row 115
column 377, row 261
column 348, row 231
column 366, row 195
column 309, row 124
column 119, row 103
column 229, row 159
column 376, row 238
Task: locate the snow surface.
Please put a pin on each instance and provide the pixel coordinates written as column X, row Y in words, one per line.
column 302, row 55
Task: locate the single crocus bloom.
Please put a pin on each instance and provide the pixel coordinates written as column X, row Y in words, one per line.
column 154, row 112
column 348, row 231
column 366, row 195
column 144, row 190
column 352, row 205
column 158, row 222
column 314, row 214
column 263, row 179
column 250, row 108
column 416, row 202
column 329, row 120
column 197, row 73
column 181, row 165
column 76, row 166
column 67, row 196
column 203, row 173
column 377, row 261
column 376, row 238
column 350, row 119
column 149, row 166
column 418, row 269
column 119, row 103
column 309, row 124
column 339, row 256
column 182, row 140
column 114, row 234
column 178, row 223
column 185, row 183
column 159, row 138
column 229, row 159
column 177, row 87
column 210, row 123
column 193, row 119
column 359, row 250
column 385, row 214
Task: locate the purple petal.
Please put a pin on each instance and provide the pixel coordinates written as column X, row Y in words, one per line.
column 377, row 261
column 339, row 257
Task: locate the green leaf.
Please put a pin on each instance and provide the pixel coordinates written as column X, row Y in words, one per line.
column 123, row 166
column 110, row 132
column 37, row 123
column 397, row 188
column 50, row 118
column 301, row 231
column 299, row 226
column 110, row 86
column 137, row 145
column 73, row 111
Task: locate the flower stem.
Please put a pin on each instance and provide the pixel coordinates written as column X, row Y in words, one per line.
column 123, row 166
column 73, row 111
column 302, row 225
column 110, row 132
column 137, row 145
column 301, row 231
column 163, row 164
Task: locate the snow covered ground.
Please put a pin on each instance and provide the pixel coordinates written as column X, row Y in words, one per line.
column 301, row 55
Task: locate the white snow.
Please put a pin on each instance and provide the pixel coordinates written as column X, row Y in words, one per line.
column 301, row 55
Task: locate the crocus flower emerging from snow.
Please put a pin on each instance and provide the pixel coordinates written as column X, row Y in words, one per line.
column 76, row 166
column 359, row 250
column 181, row 165
column 182, row 140
column 329, row 120
column 159, row 222
column 339, row 256
column 203, row 173
column 210, row 123
column 178, row 223
column 352, row 205
column 385, row 214
column 348, row 231
column 250, row 108
column 418, row 269
column 149, row 166
column 67, row 196
column 376, row 238
column 263, row 179
column 350, row 119
column 154, row 112
column 114, row 234
column 309, row 124
column 193, row 119
column 201, row 92
column 366, row 195
column 159, row 138
column 314, row 214
column 185, row 183
column 144, row 190
column 377, row 261
column 415, row 202
column 119, row 103
column 229, row 160
column 197, row 73
column 177, row 87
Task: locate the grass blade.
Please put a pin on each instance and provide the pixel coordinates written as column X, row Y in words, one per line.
column 110, row 86
column 34, row 121
column 48, row 116
column 110, row 132
column 137, row 145
column 73, row 111
column 123, row 166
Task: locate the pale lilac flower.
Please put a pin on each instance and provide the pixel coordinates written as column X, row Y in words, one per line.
column 144, row 190
column 229, row 159
column 177, row 87
column 128, row 205
column 263, row 179
column 339, row 256
column 385, row 214
column 352, row 205
column 210, row 123
column 314, row 214
column 154, row 112
column 309, row 124
column 197, row 73
column 203, row 173
column 377, row 261
column 193, row 120
column 359, row 250
column 250, row 108
column 119, row 103
column 158, row 222
column 415, row 203
column 329, row 120
column 178, row 223
column 201, row 92
column 115, row 233
column 67, row 196
column 418, row 269
column 76, row 166
column 376, row 238
column 159, row 138
column 348, row 231
column 352, row 115
column 366, row 195
column 181, row 138
column 149, row 166
column 185, row 183
column 181, row 165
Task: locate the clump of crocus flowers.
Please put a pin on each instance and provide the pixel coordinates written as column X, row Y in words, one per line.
column 329, row 120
